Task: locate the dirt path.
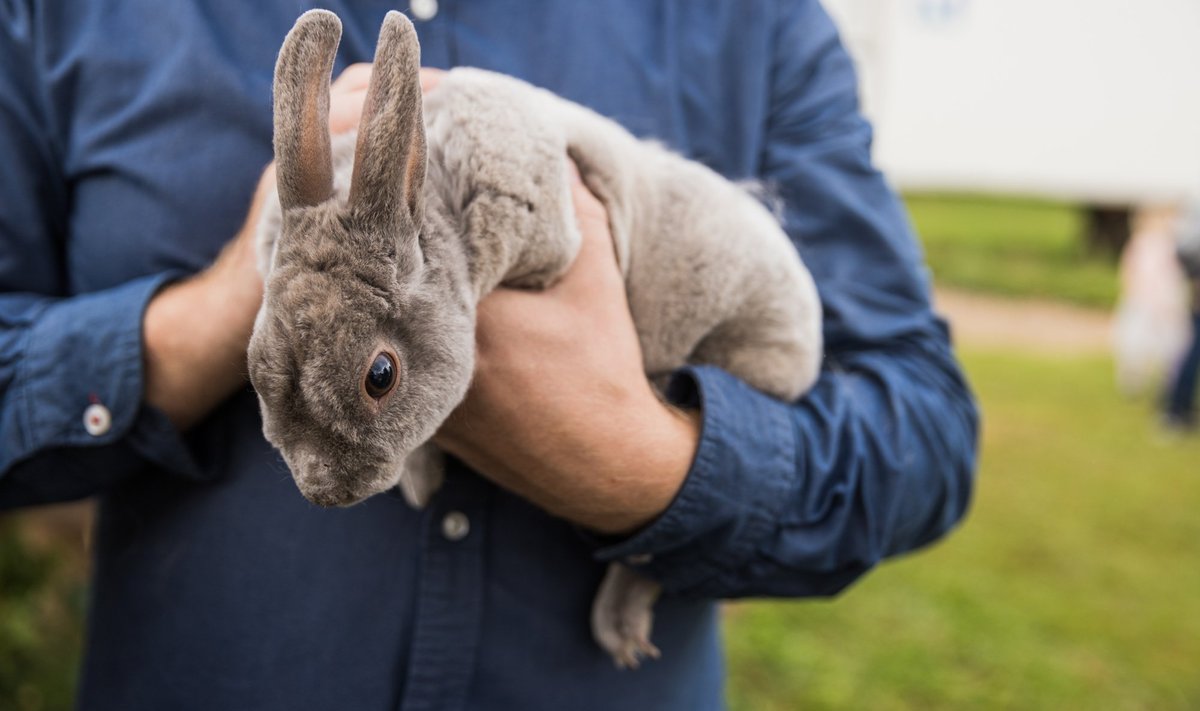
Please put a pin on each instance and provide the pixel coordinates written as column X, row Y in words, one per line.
column 1028, row 324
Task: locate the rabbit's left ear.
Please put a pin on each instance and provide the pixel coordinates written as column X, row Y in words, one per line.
column 389, row 160
column 302, row 74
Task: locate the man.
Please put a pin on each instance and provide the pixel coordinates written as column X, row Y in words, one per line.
column 131, row 135
column 1179, row 402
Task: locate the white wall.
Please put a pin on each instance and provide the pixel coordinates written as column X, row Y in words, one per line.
column 1097, row 100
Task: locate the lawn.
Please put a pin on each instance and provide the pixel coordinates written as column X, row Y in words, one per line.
column 1012, row 247
column 1074, row 583
column 42, row 593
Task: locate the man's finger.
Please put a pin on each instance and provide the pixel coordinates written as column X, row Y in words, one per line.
column 587, row 205
column 345, row 110
column 353, row 77
column 430, row 78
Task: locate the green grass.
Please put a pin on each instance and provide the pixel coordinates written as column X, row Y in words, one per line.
column 41, row 611
column 1012, row 247
column 1073, row 584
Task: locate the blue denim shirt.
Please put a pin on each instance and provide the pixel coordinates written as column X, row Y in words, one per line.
column 131, row 137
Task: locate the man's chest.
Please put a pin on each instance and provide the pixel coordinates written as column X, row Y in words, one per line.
column 165, row 133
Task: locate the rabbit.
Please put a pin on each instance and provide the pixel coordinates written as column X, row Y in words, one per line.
column 380, row 245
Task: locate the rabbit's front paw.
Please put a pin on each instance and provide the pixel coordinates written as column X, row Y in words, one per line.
column 623, row 615
column 422, row 476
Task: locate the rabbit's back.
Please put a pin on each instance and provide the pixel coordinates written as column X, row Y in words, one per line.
column 712, row 278
column 710, row 274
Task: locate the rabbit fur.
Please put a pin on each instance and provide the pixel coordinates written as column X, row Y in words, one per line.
column 383, row 242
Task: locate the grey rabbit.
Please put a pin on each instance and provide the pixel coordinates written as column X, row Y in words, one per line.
column 381, row 245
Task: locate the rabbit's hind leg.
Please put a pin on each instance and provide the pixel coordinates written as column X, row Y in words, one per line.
column 623, row 614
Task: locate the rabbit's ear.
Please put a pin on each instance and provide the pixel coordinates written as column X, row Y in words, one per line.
column 389, row 160
column 302, row 109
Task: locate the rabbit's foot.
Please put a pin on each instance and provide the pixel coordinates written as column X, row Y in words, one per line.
column 623, row 615
column 423, row 473
column 629, row 646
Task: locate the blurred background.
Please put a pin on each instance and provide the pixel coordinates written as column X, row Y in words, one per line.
column 1046, row 150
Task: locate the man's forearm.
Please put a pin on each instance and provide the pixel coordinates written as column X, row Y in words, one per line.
column 195, row 332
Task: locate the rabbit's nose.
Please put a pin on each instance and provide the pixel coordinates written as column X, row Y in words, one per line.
column 326, row 491
column 328, row 498
column 316, row 478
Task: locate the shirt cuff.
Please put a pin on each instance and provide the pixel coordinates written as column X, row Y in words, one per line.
column 80, row 382
column 733, row 494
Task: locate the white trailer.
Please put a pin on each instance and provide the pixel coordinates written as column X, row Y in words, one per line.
column 1095, row 101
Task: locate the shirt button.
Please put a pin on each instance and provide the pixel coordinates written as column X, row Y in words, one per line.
column 456, row 526
column 97, row 419
column 424, row 9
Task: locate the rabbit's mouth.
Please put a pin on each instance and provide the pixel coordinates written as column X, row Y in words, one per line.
column 335, row 492
column 330, row 496
column 325, row 484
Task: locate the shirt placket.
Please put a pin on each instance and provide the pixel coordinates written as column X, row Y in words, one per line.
column 449, row 609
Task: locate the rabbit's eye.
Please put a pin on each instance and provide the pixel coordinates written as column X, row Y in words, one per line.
column 381, row 376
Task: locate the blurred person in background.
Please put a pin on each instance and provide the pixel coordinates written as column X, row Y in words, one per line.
column 132, row 138
column 1151, row 325
column 1180, row 399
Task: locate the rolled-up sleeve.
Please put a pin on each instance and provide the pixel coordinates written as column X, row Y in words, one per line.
column 800, row 499
column 61, row 356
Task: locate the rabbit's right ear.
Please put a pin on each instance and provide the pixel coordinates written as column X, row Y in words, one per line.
column 389, row 160
column 302, row 109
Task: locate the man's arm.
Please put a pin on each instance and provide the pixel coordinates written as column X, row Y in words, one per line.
column 780, row 498
column 70, row 368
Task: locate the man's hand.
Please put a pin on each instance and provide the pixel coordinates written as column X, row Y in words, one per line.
column 560, row 410
column 195, row 331
column 346, row 96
